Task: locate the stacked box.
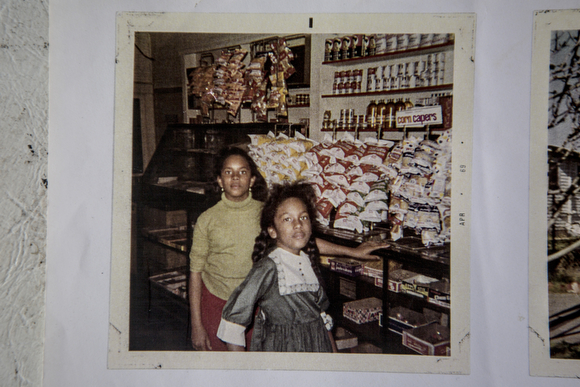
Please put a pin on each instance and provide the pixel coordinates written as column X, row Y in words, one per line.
column 397, row 277
column 417, row 285
column 439, row 293
column 363, row 311
column 346, row 266
column 401, row 318
column 373, row 269
column 430, row 340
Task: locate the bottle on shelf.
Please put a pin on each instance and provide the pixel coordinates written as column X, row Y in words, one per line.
column 381, row 114
column 345, row 47
column 372, row 45
column 372, row 115
column 336, row 46
column 371, row 79
column 390, row 115
column 399, row 105
column 393, row 81
column 328, row 50
column 381, row 118
column 337, row 81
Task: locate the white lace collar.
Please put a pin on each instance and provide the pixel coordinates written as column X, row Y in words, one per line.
column 295, row 272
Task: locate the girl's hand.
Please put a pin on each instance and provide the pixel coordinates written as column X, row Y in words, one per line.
column 200, row 338
column 364, row 250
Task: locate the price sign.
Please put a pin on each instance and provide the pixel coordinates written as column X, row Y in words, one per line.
column 419, row 117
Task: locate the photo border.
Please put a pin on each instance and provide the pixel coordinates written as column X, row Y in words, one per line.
column 541, row 364
column 462, row 25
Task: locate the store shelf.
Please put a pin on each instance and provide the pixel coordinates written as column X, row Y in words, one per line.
column 448, row 86
column 408, row 252
column 174, row 282
column 391, row 55
column 174, row 237
column 194, row 150
column 404, row 298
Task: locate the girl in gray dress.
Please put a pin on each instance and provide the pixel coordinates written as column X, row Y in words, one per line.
column 283, row 283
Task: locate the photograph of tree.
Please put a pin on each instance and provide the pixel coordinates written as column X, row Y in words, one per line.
column 564, row 195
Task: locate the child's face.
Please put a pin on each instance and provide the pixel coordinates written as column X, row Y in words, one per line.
column 292, row 227
column 236, row 178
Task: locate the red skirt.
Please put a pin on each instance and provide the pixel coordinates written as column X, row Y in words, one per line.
column 211, row 315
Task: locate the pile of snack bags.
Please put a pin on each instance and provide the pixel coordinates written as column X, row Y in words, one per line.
column 360, row 184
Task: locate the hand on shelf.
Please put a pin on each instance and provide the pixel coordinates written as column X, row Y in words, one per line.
column 364, row 250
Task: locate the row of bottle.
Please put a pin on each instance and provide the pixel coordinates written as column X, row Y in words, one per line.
column 356, row 46
column 381, row 115
column 429, row 71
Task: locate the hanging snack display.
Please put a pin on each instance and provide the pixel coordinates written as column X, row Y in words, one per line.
column 201, row 85
column 229, row 84
column 281, row 68
column 257, row 87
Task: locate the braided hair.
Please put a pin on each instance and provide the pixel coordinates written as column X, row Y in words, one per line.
column 278, row 194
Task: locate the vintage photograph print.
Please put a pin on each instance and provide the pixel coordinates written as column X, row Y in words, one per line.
column 554, row 186
column 292, row 196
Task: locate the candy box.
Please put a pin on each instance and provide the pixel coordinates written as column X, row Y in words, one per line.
column 396, row 278
column 401, row 318
column 417, row 285
column 430, row 340
column 363, row 311
column 346, row 266
column 439, row 293
column 373, row 269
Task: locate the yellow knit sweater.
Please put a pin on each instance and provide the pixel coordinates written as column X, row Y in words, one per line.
column 223, row 241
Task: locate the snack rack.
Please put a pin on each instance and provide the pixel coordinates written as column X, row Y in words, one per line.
column 407, row 253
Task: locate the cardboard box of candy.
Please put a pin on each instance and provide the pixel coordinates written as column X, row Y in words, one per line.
column 439, row 293
column 363, row 311
column 373, row 269
column 401, row 318
column 417, row 285
column 432, row 339
column 346, row 266
column 396, row 278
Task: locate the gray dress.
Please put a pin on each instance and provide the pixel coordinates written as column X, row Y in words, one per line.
column 289, row 318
